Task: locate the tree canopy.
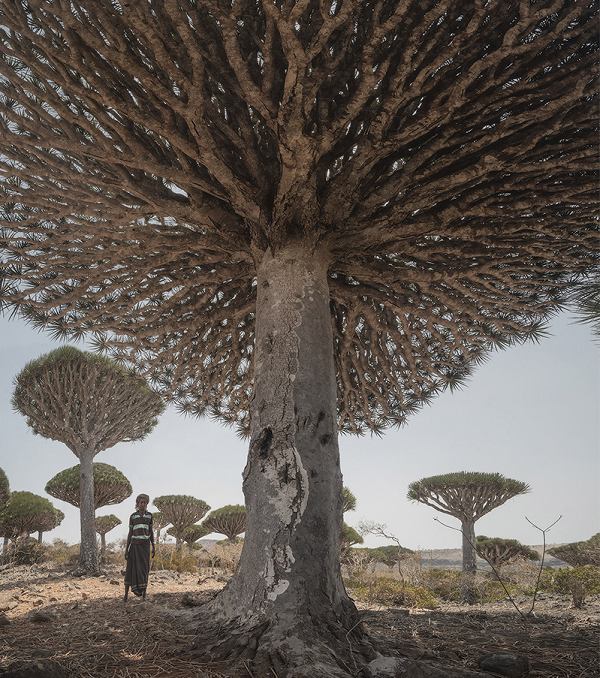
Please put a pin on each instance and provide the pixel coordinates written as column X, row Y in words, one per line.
column 579, row 553
column 4, row 488
column 110, row 486
column 466, row 495
column 85, row 401
column 181, row 510
column 500, row 552
column 107, row 523
column 26, row 512
column 229, row 520
column 441, row 154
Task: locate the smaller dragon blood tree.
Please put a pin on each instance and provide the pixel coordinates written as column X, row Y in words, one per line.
column 229, row 520
column 502, row 552
column 110, row 486
column 89, row 403
column 25, row 513
column 159, row 520
column 181, row 511
column 579, row 553
column 105, row 524
column 467, row 497
column 4, row 488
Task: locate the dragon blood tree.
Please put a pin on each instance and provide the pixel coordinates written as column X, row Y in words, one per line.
column 467, row 497
column 502, row 552
column 89, row 403
column 159, row 520
column 579, row 553
column 4, row 488
column 348, row 500
column 110, row 486
column 300, row 216
column 181, row 511
column 191, row 535
column 25, row 513
column 228, row 520
column 105, row 524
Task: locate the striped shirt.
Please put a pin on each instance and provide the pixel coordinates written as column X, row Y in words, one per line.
column 141, row 526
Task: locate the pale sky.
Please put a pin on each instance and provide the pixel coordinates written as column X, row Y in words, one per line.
column 529, row 413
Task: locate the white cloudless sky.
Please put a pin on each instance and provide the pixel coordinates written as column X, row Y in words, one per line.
column 530, row 413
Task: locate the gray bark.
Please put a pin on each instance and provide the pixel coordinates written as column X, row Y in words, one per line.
column 469, row 567
column 88, row 551
column 289, row 574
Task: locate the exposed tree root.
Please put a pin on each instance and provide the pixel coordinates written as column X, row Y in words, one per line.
column 282, row 647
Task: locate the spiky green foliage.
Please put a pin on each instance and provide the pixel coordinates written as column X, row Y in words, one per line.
column 466, row 495
column 585, row 299
column 159, row 520
column 443, row 154
column 107, row 523
column 349, row 500
column 501, row 552
column 85, row 400
column 229, row 520
column 4, row 488
column 181, row 511
column 26, row 512
column 192, row 533
column 110, row 485
column 579, row 553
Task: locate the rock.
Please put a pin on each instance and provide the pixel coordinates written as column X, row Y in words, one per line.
column 401, row 667
column 40, row 616
column 505, row 663
column 41, row 668
column 190, row 600
column 4, row 620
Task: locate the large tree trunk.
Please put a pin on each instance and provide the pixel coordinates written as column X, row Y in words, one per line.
column 286, row 608
column 88, row 550
column 469, row 567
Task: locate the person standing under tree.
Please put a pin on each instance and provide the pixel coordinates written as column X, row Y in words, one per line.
column 137, row 551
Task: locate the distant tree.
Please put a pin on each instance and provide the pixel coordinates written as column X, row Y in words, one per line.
column 579, row 553
column 159, row 520
column 110, row 485
column 89, row 403
column 467, row 497
column 348, row 499
column 502, row 552
column 181, row 511
column 105, row 524
column 4, row 488
column 191, row 534
column 391, row 554
column 306, row 215
column 25, row 513
column 348, row 537
column 229, row 520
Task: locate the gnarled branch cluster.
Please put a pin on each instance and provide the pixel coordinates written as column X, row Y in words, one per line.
column 442, row 153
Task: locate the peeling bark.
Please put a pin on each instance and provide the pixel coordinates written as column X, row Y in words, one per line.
column 288, row 587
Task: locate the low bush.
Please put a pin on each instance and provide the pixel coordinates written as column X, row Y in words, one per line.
column 390, row 591
column 23, row 551
column 578, row 582
column 169, row 558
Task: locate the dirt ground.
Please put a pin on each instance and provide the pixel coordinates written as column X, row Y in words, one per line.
column 84, row 626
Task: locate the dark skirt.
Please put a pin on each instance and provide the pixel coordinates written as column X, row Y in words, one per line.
column 138, row 566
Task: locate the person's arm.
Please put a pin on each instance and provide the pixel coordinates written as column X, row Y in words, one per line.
column 152, row 536
column 129, row 535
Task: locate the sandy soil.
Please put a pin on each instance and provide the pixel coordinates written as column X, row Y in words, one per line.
column 83, row 625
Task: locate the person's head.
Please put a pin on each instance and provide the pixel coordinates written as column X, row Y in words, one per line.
column 142, row 501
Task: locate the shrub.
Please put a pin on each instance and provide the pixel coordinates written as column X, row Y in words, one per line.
column 390, row 591
column 169, row 558
column 62, row 554
column 578, row 582
column 23, row 551
column 444, row 584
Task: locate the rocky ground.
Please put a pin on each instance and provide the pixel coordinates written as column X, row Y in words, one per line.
column 80, row 628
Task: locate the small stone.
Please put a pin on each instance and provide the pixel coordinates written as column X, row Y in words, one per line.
column 114, row 582
column 505, row 663
column 42, row 616
column 4, row 620
column 190, row 600
column 41, row 668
